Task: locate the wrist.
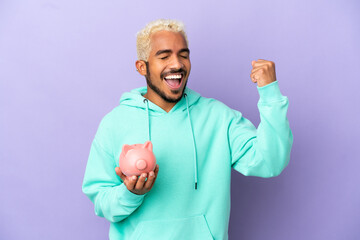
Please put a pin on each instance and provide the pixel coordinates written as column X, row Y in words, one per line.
column 270, row 92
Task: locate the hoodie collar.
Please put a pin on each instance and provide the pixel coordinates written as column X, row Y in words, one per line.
column 136, row 99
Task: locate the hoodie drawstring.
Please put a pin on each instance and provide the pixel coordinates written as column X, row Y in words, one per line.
column 148, row 117
column 192, row 134
column 193, row 137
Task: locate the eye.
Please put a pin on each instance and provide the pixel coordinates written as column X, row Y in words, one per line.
column 163, row 58
column 184, row 56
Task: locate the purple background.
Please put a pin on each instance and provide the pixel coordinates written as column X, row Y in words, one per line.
column 64, row 65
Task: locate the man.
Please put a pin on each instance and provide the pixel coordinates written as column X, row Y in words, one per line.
column 196, row 142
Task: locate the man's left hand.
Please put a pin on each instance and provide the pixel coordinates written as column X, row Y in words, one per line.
column 263, row 72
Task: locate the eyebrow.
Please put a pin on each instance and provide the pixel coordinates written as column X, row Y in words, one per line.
column 170, row 51
column 162, row 51
column 184, row 50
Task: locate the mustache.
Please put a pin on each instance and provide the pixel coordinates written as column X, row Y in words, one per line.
column 181, row 70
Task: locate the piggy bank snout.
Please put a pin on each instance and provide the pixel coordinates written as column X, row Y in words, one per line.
column 141, row 164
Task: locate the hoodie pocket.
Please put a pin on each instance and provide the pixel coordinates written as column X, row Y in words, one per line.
column 180, row 228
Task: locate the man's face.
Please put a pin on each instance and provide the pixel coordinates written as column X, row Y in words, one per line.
column 168, row 66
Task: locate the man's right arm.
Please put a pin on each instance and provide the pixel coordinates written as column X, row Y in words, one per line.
column 105, row 189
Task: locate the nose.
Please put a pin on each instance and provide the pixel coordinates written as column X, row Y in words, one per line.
column 176, row 63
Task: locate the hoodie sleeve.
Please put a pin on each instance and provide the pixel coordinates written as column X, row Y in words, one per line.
column 110, row 196
column 265, row 151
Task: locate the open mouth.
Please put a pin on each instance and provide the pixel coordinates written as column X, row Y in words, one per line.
column 174, row 80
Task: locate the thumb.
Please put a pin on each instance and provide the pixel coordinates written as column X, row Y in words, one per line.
column 253, row 62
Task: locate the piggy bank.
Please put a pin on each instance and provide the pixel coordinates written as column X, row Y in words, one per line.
column 137, row 158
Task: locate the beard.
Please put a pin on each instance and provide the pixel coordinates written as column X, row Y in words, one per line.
column 158, row 90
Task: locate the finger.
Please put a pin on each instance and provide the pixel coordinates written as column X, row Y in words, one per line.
column 120, row 174
column 264, row 63
column 256, row 75
column 150, row 181
column 253, row 79
column 259, row 61
column 256, row 69
column 141, row 181
column 261, row 65
column 130, row 183
column 156, row 170
column 152, row 177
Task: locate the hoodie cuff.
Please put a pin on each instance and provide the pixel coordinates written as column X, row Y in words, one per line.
column 270, row 92
column 124, row 194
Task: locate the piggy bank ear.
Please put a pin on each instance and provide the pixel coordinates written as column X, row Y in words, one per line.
column 126, row 148
column 148, row 145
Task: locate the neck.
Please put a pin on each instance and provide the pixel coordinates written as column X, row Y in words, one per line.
column 159, row 101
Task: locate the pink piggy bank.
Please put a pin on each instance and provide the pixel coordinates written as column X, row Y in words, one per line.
column 137, row 158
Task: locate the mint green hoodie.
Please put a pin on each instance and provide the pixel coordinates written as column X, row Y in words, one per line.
column 196, row 143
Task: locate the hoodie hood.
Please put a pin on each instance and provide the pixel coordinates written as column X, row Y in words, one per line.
column 135, row 99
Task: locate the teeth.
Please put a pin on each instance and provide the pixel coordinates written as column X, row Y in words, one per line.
column 173, row 77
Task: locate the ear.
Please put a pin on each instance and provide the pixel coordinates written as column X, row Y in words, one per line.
column 141, row 67
column 126, row 148
column 148, row 145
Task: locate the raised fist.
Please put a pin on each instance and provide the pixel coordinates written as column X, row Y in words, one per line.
column 263, row 72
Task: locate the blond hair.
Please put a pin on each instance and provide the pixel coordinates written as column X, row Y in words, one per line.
column 143, row 44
